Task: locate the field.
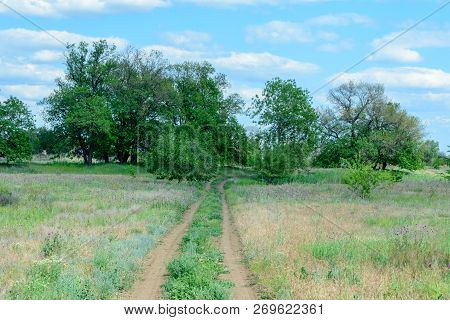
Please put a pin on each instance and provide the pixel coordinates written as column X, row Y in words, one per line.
column 313, row 239
column 82, row 236
column 109, row 232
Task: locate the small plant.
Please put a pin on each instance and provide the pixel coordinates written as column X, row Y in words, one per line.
column 362, row 179
column 52, row 245
column 6, row 196
column 132, row 171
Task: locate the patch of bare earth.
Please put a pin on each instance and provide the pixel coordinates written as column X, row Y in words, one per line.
column 238, row 274
column 155, row 272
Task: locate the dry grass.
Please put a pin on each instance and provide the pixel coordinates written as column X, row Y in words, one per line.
column 91, row 213
column 317, row 241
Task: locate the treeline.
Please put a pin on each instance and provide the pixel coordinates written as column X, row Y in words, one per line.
column 180, row 121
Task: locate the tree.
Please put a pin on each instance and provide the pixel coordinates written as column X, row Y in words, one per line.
column 49, row 141
column 430, row 149
column 362, row 122
column 79, row 108
column 198, row 131
column 16, row 125
column 141, row 90
column 289, row 124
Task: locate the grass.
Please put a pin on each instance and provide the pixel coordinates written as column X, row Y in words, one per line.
column 69, row 168
column 314, row 239
column 80, row 236
column 195, row 273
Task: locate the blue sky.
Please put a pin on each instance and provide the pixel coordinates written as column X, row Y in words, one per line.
column 250, row 41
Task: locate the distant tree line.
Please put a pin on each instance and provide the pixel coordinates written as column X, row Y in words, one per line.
column 181, row 122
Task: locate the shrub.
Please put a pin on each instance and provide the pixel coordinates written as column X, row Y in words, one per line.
column 6, row 196
column 362, row 179
column 52, row 245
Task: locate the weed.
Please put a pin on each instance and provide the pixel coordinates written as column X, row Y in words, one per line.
column 6, row 196
column 52, row 244
column 194, row 274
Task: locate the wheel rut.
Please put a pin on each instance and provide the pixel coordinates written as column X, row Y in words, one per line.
column 155, row 270
column 231, row 247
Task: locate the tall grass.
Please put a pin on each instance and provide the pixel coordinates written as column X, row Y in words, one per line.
column 82, row 236
column 314, row 239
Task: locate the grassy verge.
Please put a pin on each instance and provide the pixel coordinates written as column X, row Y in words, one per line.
column 82, row 236
column 195, row 273
column 70, row 168
column 395, row 246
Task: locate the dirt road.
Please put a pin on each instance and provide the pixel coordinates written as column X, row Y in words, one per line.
column 154, row 275
column 230, row 245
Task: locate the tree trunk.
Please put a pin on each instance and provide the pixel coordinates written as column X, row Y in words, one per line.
column 384, row 165
column 90, row 156
column 106, row 158
column 123, row 157
column 134, row 159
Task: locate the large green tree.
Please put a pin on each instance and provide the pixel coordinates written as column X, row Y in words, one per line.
column 288, row 123
column 16, row 126
column 141, row 90
column 79, row 108
column 363, row 122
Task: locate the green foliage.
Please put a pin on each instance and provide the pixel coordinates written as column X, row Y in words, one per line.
column 6, row 196
column 194, row 274
column 53, row 244
column 290, row 129
column 49, row 141
column 362, row 178
column 363, row 122
column 79, row 107
column 16, row 125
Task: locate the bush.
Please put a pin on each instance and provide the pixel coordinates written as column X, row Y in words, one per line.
column 362, row 179
column 6, row 196
column 52, row 245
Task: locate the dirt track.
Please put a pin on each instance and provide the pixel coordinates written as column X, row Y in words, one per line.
column 230, row 244
column 155, row 272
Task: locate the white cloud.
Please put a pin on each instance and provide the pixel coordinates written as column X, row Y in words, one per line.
column 47, row 55
column 403, row 48
column 21, row 39
column 176, row 55
column 264, row 63
column 279, row 31
column 309, row 31
column 248, row 2
column 26, row 91
column 29, row 71
column 342, row 19
column 252, row 64
column 188, row 38
column 49, row 8
column 407, row 77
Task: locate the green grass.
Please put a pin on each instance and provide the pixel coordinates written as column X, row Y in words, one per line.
column 392, row 246
column 82, row 236
column 70, row 168
column 195, row 273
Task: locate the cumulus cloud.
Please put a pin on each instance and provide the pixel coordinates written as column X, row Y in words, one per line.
column 336, row 20
column 404, row 49
column 29, row 71
column 27, row 91
column 250, row 64
column 249, row 2
column 309, row 31
column 49, row 8
column 406, row 77
column 22, row 39
column 188, row 38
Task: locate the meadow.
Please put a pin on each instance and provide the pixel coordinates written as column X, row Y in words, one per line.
column 82, row 235
column 311, row 238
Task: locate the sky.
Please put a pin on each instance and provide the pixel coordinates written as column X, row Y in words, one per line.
column 251, row 41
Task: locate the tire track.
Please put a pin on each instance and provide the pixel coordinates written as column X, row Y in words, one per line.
column 155, row 272
column 231, row 247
